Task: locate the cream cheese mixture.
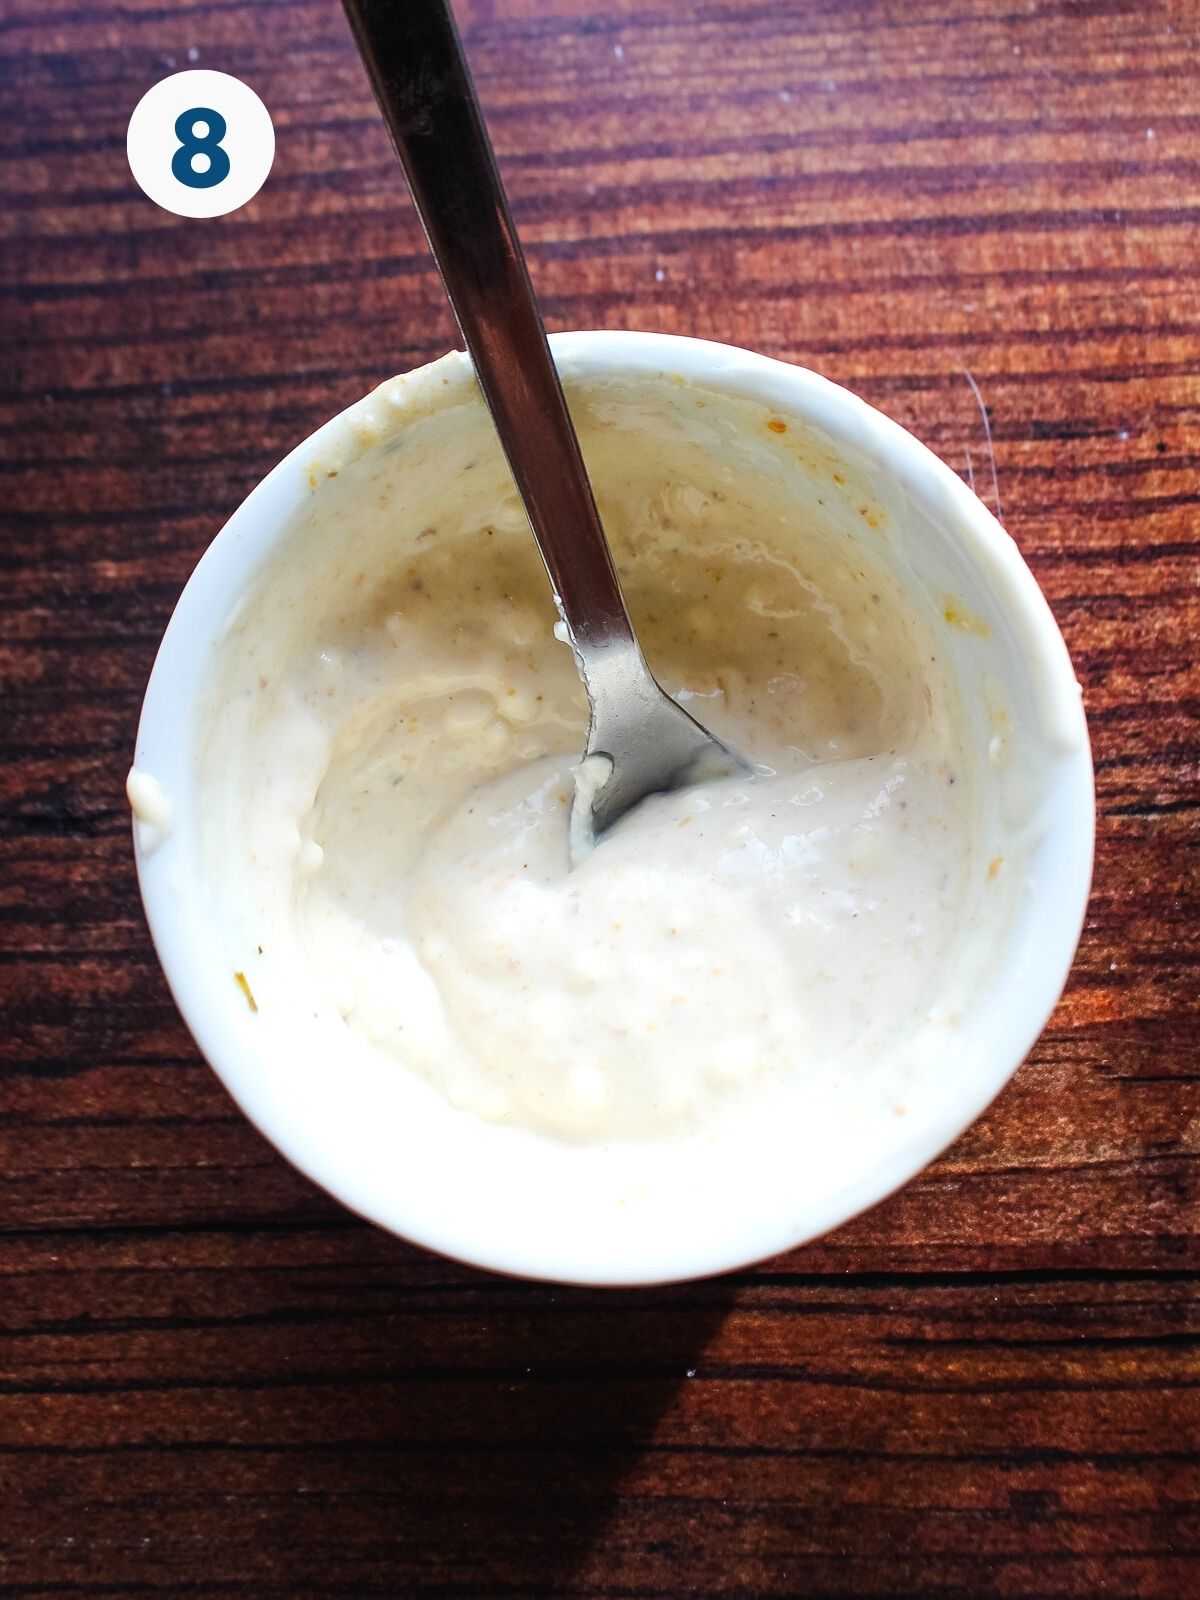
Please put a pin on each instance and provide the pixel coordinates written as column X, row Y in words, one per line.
column 387, row 773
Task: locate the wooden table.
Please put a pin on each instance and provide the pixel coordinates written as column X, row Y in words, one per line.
column 214, row 1380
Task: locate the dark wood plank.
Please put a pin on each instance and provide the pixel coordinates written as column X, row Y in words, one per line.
column 212, row 1380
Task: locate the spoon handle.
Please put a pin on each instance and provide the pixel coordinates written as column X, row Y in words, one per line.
column 416, row 65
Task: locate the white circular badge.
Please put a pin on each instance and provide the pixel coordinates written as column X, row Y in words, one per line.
column 200, row 143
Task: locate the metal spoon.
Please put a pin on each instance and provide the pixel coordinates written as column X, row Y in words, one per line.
column 642, row 741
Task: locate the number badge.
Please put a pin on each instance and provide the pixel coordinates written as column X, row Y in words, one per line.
column 200, row 143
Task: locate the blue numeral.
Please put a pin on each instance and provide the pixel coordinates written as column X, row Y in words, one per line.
column 208, row 144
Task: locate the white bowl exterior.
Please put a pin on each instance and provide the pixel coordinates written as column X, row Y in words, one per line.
column 394, row 1151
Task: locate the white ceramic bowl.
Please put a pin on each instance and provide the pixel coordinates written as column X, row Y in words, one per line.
column 502, row 1198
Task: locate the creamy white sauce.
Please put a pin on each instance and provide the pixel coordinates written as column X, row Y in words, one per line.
column 150, row 806
column 388, row 761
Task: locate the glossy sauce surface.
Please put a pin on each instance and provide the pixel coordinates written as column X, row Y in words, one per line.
column 402, row 768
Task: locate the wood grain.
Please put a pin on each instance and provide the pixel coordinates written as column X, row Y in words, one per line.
column 214, row 1381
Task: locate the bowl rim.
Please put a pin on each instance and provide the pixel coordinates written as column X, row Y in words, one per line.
column 239, row 548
